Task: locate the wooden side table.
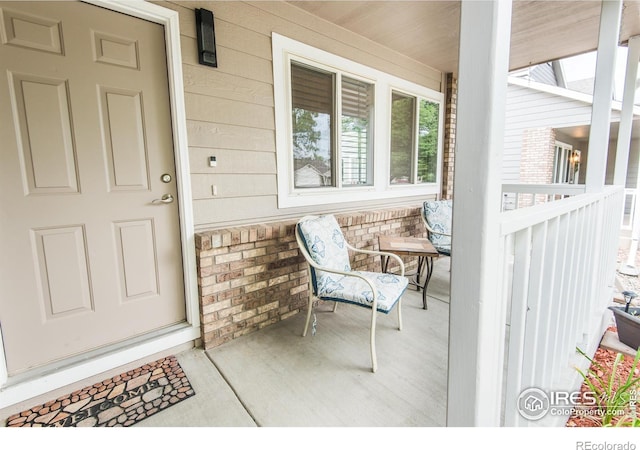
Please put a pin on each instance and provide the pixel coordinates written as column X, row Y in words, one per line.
column 411, row 246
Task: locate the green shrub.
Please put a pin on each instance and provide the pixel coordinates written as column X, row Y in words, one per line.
column 615, row 397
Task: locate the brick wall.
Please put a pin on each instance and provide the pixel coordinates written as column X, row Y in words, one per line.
column 451, row 100
column 253, row 276
column 537, row 159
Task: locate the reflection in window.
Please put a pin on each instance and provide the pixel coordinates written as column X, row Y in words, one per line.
column 356, row 141
column 402, row 132
column 428, row 141
column 312, row 118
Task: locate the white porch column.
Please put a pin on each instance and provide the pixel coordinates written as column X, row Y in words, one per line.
column 602, row 95
column 626, row 116
column 624, row 143
column 477, row 317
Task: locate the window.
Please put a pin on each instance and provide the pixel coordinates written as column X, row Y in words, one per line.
column 346, row 132
column 428, row 134
column 356, row 142
column 414, row 145
column 312, row 117
column 313, row 100
column 402, row 138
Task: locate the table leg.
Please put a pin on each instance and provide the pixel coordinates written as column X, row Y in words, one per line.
column 384, row 262
column 429, row 263
column 421, row 261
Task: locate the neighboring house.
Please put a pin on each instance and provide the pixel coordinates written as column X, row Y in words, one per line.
column 148, row 202
column 547, row 130
column 309, row 176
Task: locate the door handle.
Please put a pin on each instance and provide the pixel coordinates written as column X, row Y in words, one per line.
column 166, row 198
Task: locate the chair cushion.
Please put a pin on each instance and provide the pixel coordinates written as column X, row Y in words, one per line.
column 438, row 215
column 325, row 243
column 443, row 250
column 354, row 290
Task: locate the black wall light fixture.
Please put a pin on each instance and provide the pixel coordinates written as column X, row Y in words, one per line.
column 206, row 38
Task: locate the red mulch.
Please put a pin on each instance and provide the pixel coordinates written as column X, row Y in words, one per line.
column 605, row 358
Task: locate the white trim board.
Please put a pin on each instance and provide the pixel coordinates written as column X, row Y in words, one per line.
column 11, row 393
column 566, row 93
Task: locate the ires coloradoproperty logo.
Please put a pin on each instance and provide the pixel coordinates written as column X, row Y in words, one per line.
column 534, row 403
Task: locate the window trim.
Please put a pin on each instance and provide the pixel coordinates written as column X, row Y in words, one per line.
column 284, row 51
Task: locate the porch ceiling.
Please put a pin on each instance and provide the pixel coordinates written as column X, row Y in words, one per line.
column 428, row 30
column 581, row 132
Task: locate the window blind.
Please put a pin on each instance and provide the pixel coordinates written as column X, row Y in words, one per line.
column 356, row 98
column 311, row 90
column 356, row 145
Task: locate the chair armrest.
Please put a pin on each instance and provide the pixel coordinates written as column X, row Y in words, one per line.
column 431, row 230
column 348, row 274
column 379, row 253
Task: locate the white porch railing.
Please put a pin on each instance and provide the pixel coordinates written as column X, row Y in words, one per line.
column 519, row 195
column 559, row 272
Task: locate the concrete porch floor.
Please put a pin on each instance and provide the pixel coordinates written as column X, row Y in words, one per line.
column 277, row 378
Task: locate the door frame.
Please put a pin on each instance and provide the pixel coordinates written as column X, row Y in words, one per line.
column 36, row 382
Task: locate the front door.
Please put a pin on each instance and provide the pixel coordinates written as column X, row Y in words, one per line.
column 90, row 251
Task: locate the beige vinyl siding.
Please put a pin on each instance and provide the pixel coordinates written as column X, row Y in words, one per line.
column 263, row 185
column 228, row 137
column 230, row 109
column 226, row 86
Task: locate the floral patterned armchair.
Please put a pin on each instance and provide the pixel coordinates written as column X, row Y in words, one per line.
column 436, row 215
column 331, row 278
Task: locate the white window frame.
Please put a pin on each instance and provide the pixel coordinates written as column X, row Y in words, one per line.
column 286, row 50
column 416, row 126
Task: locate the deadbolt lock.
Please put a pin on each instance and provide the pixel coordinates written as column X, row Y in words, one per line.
column 166, row 178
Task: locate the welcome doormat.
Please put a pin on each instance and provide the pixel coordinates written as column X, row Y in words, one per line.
column 119, row 401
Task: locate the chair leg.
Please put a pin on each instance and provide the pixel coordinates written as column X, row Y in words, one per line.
column 374, row 360
column 309, row 311
column 399, row 306
column 335, row 306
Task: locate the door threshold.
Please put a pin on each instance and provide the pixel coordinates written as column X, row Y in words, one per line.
column 62, row 373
